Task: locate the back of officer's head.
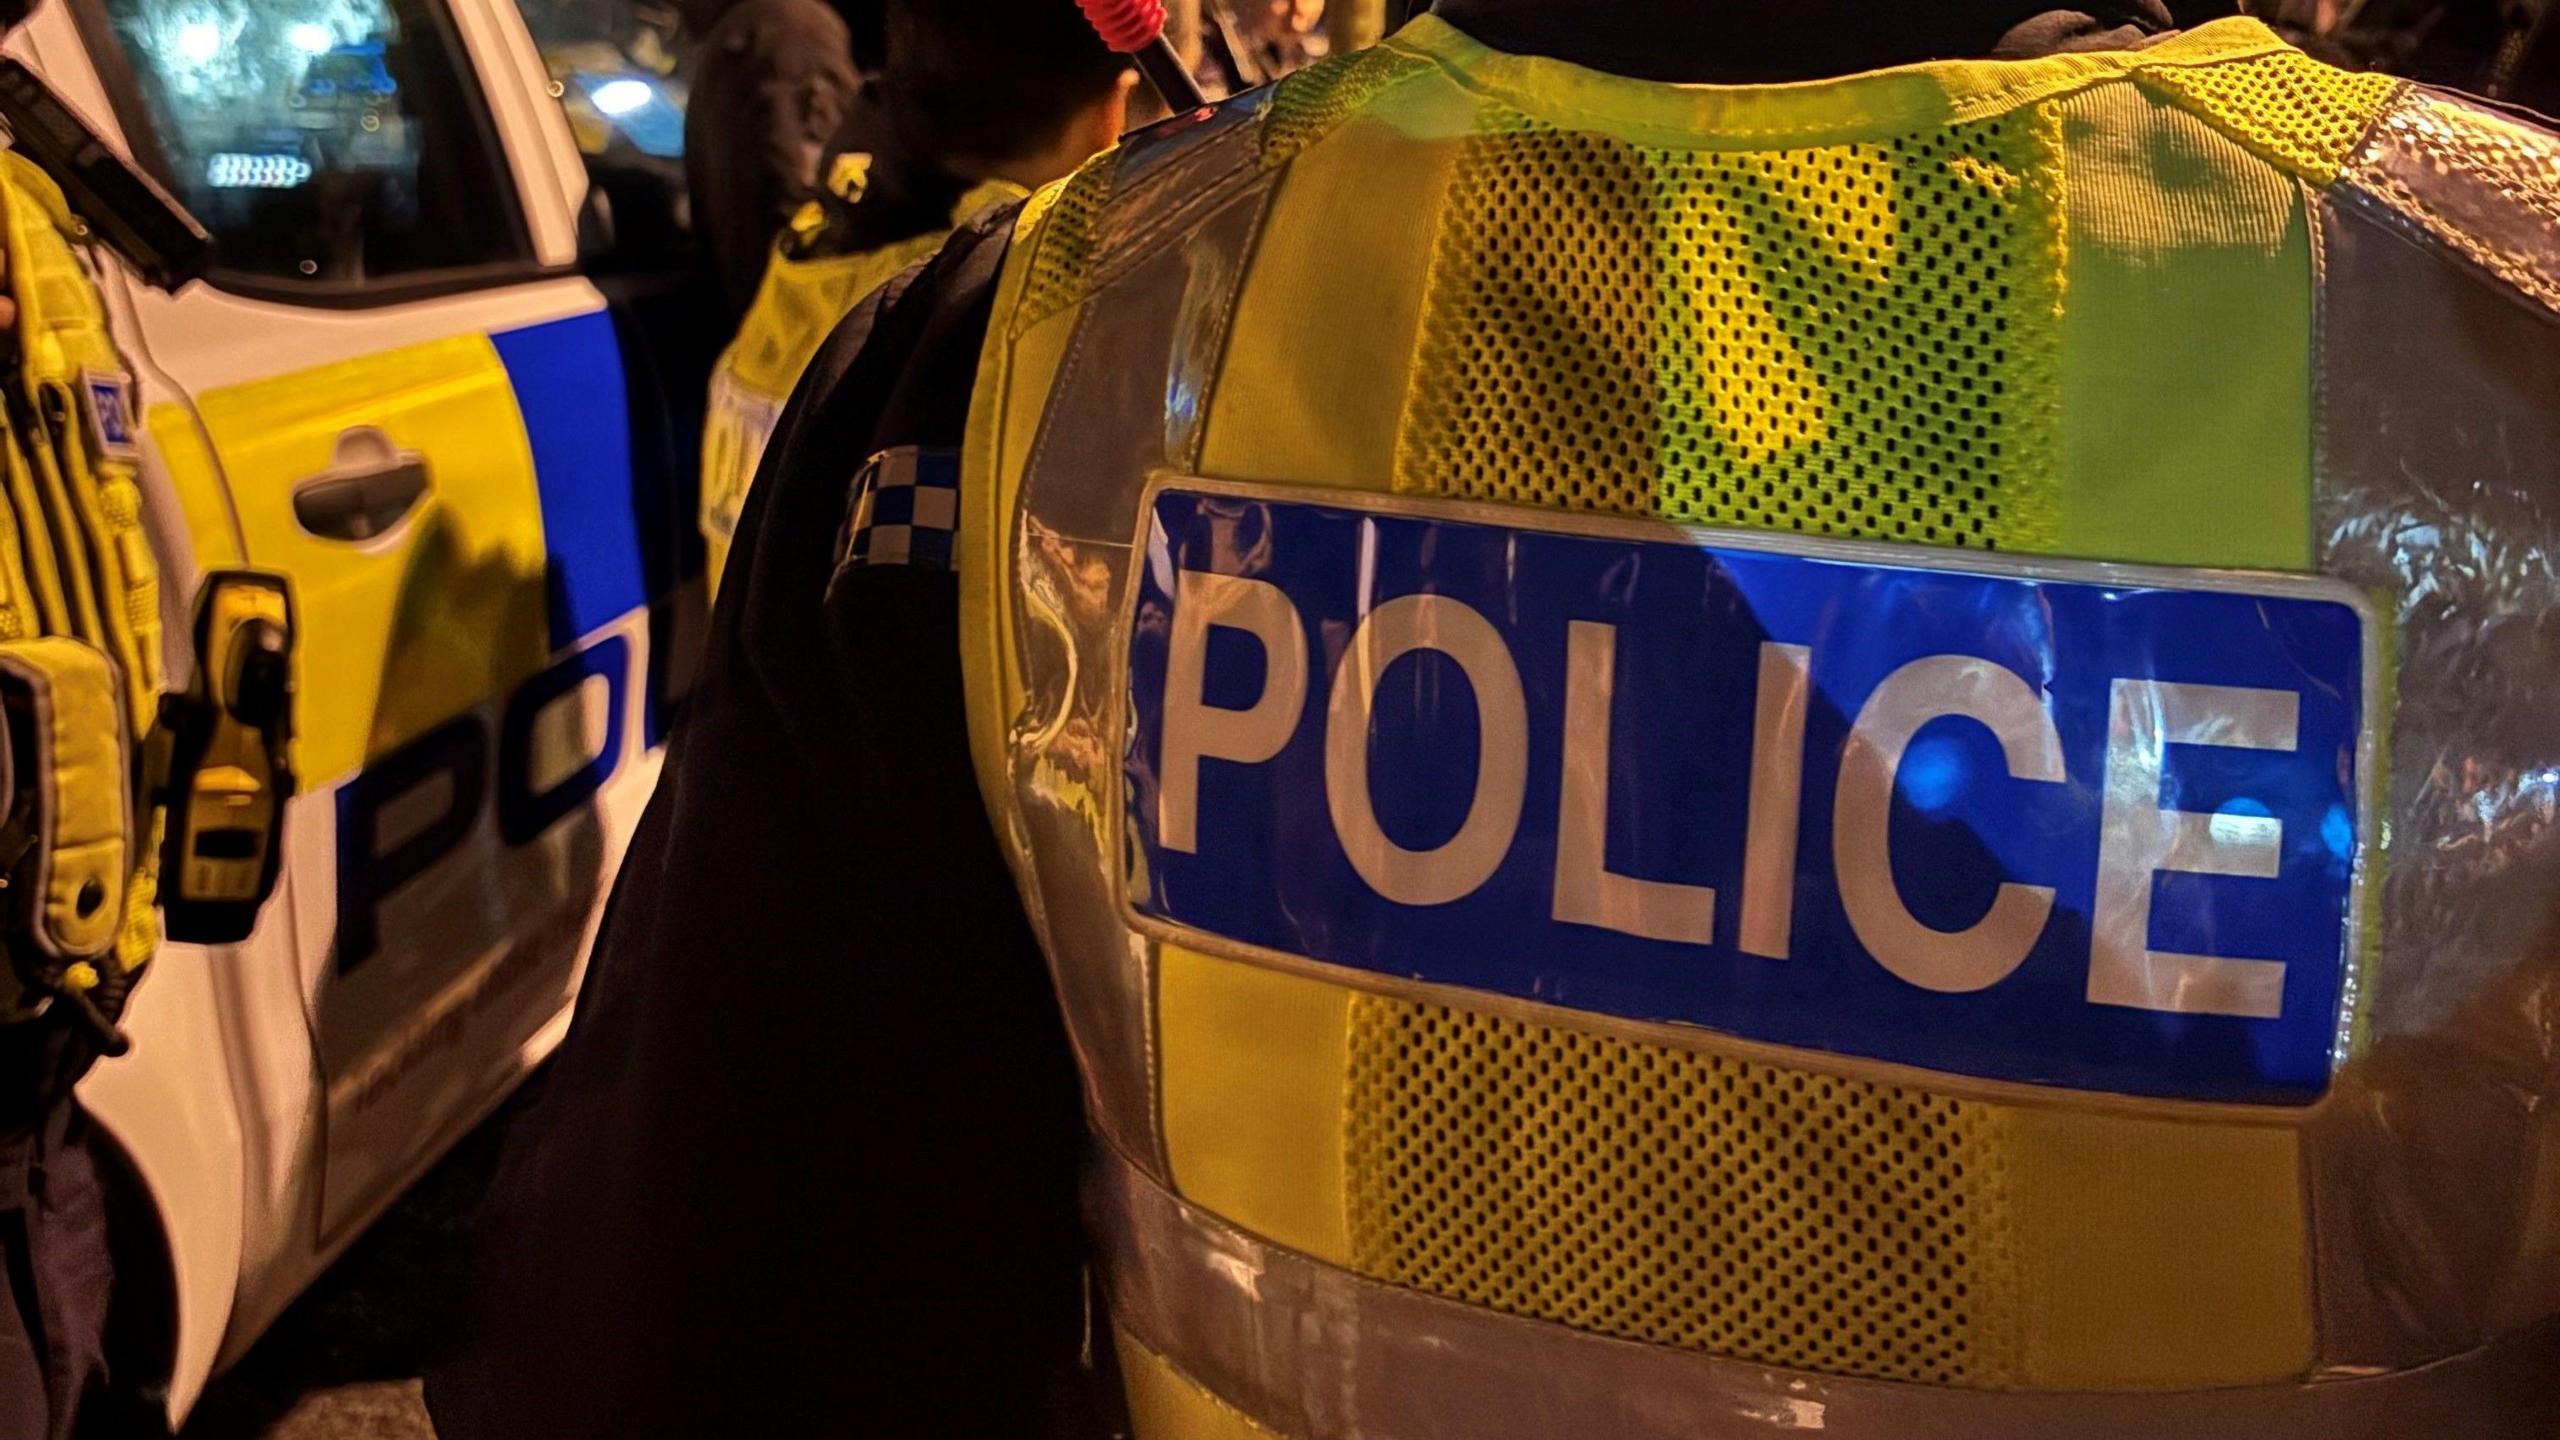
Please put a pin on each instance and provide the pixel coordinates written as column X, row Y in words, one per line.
column 996, row 81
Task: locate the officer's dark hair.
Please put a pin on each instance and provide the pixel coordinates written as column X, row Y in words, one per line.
column 995, row 79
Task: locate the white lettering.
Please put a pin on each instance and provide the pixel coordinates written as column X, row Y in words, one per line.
column 1587, row 891
column 2137, row 838
column 1910, row 698
column 1777, row 786
column 1468, row 858
column 1194, row 729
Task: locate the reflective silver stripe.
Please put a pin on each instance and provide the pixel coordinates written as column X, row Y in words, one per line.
column 2482, row 186
column 1128, row 401
column 1167, row 169
column 2435, row 1165
column 1317, row 1353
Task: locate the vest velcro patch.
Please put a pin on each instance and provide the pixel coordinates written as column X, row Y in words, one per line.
column 906, row 506
column 108, row 398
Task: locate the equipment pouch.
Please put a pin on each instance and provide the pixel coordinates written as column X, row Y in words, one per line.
column 230, row 765
column 67, row 841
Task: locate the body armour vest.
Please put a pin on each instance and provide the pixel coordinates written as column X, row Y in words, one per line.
column 1872, row 757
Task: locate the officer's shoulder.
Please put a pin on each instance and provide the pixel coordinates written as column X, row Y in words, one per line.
column 1141, row 193
column 2477, row 182
column 925, row 304
column 895, row 371
column 1172, row 159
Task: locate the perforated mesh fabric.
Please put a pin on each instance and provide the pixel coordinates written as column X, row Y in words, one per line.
column 1852, row 340
column 1314, row 100
column 2286, row 106
column 1661, row 1195
column 1061, row 264
column 1303, row 107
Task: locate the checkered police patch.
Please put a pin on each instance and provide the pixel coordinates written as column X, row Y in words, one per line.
column 906, row 504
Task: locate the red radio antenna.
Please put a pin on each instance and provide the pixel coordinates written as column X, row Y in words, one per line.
column 1135, row 28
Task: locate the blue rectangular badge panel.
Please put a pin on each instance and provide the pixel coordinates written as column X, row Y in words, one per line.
column 2071, row 825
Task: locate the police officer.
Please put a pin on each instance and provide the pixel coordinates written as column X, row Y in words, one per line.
column 771, row 81
column 2037, row 921
column 978, row 106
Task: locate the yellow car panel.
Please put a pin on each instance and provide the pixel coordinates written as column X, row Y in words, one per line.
column 444, row 608
column 195, row 480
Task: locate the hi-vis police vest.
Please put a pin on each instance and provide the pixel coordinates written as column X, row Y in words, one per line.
column 87, row 757
column 1869, row 757
column 796, row 308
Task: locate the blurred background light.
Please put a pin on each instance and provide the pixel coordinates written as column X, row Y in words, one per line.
column 199, row 41
column 621, row 97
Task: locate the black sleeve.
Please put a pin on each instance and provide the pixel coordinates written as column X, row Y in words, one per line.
column 808, row 1161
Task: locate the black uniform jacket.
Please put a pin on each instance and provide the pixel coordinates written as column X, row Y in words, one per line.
column 806, row 1163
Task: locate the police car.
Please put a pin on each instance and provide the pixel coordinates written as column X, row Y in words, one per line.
column 446, row 378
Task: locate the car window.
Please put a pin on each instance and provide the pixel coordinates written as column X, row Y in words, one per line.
column 614, row 66
column 617, row 68
column 325, row 142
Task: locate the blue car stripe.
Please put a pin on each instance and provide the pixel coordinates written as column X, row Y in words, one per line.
column 568, row 381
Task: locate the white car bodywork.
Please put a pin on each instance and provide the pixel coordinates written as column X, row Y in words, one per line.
column 259, row 1168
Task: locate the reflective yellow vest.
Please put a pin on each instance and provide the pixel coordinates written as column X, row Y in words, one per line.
column 80, row 637
column 796, row 308
column 2058, row 939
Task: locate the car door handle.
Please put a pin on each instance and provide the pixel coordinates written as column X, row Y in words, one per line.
column 370, row 486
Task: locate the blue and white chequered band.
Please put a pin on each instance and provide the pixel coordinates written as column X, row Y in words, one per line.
column 906, row 505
